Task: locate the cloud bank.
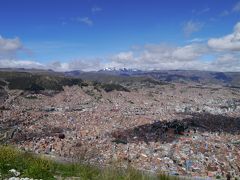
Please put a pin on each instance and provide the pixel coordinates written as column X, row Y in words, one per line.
column 215, row 54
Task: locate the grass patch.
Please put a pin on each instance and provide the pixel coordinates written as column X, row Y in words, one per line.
column 33, row 166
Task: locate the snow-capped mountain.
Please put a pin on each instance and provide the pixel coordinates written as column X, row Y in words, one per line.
column 119, row 70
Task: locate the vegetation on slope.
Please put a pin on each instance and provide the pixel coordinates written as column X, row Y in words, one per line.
column 37, row 82
column 32, row 166
column 112, row 87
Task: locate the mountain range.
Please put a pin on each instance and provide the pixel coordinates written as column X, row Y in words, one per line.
column 113, row 75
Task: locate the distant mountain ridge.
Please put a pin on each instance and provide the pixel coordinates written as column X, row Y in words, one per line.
column 183, row 76
column 124, row 74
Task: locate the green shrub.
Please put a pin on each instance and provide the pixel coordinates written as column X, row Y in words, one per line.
column 112, row 87
column 36, row 167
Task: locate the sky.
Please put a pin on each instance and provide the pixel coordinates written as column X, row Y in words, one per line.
column 88, row 35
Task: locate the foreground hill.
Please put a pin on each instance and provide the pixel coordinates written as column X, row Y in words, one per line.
column 16, row 164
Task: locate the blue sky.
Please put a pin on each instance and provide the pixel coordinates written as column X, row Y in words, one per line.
column 105, row 32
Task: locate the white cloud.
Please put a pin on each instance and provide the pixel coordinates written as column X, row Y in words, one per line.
column 85, row 20
column 189, row 52
column 224, row 53
column 159, row 57
column 229, row 42
column 9, row 47
column 96, row 9
column 226, row 59
column 204, row 11
column 201, row 11
column 191, row 27
column 123, row 56
column 8, row 55
column 79, row 64
column 236, row 7
column 196, row 40
column 226, row 62
column 12, row 63
column 10, row 44
column 225, row 13
column 8, row 58
column 189, row 57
